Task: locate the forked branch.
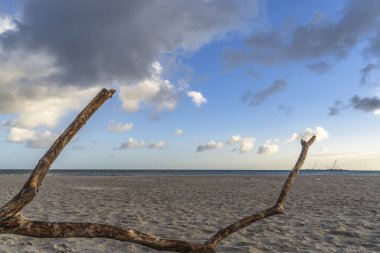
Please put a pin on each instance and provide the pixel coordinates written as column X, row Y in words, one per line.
column 13, row 222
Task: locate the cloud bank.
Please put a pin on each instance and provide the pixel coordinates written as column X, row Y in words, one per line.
column 99, row 42
column 58, row 54
column 322, row 38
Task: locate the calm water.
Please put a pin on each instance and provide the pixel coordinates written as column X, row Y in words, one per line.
column 189, row 172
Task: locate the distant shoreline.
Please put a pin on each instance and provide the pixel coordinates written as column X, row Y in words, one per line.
column 110, row 172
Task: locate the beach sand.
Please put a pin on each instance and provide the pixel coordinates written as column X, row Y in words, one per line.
column 322, row 214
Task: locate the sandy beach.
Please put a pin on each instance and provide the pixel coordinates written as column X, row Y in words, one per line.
column 323, row 213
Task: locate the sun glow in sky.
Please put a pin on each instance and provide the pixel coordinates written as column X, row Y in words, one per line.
column 200, row 84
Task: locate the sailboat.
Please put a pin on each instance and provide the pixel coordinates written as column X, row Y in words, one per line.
column 335, row 166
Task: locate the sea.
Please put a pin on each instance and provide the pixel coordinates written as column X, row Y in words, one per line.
column 89, row 172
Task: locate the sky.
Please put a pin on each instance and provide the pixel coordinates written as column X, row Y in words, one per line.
column 202, row 84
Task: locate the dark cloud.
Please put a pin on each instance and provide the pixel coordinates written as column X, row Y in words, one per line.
column 367, row 104
column 366, row 71
column 318, row 67
column 259, row 97
column 287, row 109
column 94, row 41
column 252, row 73
column 332, row 38
column 373, row 48
column 336, row 108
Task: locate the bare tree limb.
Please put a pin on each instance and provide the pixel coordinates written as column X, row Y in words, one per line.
column 22, row 226
column 29, row 190
column 276, row 209
column 293, row 174
column 13, row 222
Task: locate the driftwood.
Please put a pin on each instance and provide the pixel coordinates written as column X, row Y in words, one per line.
column 13, row 222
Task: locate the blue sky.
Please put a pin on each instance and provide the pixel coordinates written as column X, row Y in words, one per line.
column 200, row 84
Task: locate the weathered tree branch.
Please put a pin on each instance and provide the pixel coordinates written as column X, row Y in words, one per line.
column 23, row 226
column 276, row 209
column 29, row 190
column 13, row 222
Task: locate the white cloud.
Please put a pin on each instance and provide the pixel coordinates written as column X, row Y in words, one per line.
column 132, row 143
column 209, row 146
column 6, row 23
column 24, row 91
column 197, row 98
column 319, row 132
column 18, row 135
column 268, row 148
column 119, row 127
column 234, row 139
column 178, row 132
column 153, row 91
column 246, row 143
column 32, row 138
column 48, row 112
column 42, row 140
column 157, row 145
